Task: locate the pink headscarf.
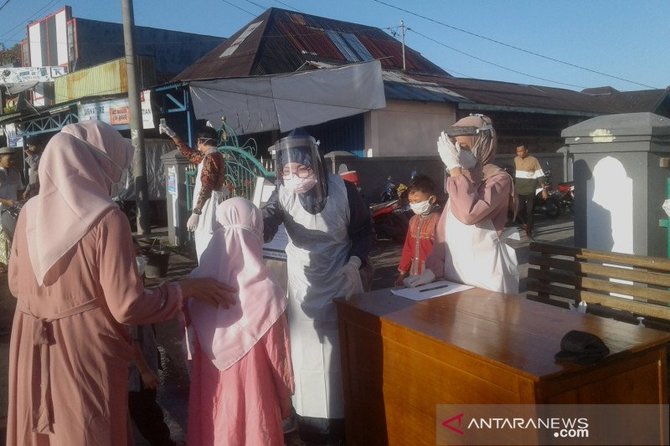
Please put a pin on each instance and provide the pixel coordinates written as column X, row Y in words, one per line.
column 76, row 171
column 234, row 256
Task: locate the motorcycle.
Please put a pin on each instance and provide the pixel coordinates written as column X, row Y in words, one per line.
column 547, row 200
column 547, row 204
column 567, row 196
column 391, row 220
column 391, row 216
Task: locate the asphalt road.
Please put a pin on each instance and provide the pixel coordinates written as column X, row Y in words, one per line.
column 173, row 394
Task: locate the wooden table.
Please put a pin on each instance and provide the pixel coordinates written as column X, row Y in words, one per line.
column 401, row 358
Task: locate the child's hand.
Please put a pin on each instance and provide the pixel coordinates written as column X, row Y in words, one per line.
column 150, row 380
column 399, row 279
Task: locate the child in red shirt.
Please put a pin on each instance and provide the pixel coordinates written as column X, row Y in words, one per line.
column 421, row 232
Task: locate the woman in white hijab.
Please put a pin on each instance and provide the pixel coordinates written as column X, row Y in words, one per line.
column 73, row 272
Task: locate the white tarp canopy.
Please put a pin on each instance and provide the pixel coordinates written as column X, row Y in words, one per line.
column 287, row 101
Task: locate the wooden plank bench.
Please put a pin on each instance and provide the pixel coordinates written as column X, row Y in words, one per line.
column 622, row 286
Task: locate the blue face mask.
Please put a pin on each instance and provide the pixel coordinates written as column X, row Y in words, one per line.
column 467, row 159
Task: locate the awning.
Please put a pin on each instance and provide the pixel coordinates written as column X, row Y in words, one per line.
column 287, row 101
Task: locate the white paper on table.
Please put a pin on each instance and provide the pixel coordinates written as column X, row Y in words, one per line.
column 430, row 290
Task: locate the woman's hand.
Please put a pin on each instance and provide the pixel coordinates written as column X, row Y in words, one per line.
column 208, row 290
column 150, row 379
column 414, row 281
column 448, row 151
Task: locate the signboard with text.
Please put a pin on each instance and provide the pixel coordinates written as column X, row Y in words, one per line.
column 116, row 112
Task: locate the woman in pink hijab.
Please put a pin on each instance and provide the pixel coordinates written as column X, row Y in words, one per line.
column 73, row 271
column 241, row 376
column 471, row 241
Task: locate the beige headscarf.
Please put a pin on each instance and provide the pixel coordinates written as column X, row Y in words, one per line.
column 484, row 144
column 76, row 171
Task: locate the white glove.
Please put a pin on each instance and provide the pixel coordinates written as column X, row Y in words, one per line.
column 192, row 223
column 449, row 152
column 425, row 277
column 163, row 128
column 352, row 278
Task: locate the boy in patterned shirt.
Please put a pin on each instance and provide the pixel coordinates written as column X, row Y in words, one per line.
column 421, row 232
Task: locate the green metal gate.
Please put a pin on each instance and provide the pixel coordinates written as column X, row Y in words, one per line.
column 242, row 167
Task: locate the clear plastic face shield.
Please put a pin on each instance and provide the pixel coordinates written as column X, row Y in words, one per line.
column 300, row 170
column 474, row 134
column 121, row 188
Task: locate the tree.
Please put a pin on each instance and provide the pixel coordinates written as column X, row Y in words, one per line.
column 10, row 56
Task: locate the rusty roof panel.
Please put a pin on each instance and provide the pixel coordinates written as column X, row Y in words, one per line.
column 286, row 40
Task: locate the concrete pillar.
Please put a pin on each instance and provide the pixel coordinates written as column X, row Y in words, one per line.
column 175, row 166
column 620, row 182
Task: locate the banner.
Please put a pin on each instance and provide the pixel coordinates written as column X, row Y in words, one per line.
column 116, row 112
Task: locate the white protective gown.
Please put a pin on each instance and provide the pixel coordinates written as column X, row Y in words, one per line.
column 203, row 233
column 317, row 250
column 481, row 257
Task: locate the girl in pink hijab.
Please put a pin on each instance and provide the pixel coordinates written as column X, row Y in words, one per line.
column 241, row 376
column 73, row 271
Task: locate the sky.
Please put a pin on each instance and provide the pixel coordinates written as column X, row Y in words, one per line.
column 573, row 44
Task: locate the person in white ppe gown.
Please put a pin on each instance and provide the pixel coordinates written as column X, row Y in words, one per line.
column 470, row 244
column 329, row 235
column 209, row 189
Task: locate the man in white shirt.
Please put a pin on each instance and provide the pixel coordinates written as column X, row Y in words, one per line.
column 10, row 185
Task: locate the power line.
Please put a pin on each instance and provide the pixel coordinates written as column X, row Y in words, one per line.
column 4, row 4
column 287, row 5
column 256, row 4
column 553, row 59
column 33, row 15
column 239, row 7
column 492, row 63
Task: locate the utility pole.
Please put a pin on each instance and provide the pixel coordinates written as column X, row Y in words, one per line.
column 136, row 130
column 402, row 35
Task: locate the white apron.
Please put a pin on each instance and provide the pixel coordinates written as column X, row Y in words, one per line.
column 316, row 252
column 203, row 233
column 477, row 256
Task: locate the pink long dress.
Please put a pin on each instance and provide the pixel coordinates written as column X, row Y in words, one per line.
column 243, row 405
column 242, row 375
column 69, row 351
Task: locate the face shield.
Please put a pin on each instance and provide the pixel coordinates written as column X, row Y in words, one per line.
column 482, row 134
column 121, row 189
column 300, row 170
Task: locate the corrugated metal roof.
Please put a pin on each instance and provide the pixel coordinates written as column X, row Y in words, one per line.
column 535, row 97
column 402, row 86
column 282, row 41
column 104, row 79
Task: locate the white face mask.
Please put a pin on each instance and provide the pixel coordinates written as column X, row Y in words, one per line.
column 467, row 159
column 421, row 207
column 299, row 185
